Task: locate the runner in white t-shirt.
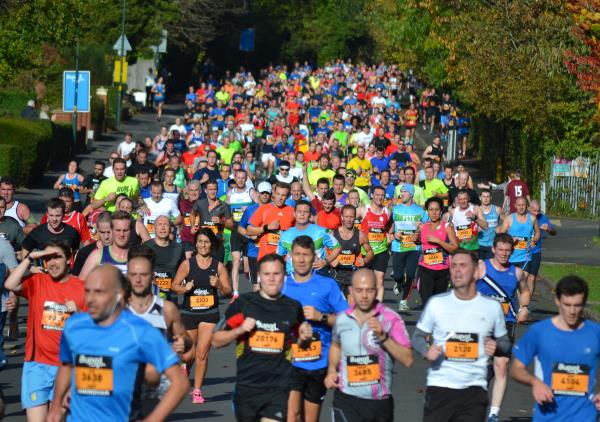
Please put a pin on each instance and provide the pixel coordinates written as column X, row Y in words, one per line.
column 157, row 205
column 466, row 329
column 126, row 148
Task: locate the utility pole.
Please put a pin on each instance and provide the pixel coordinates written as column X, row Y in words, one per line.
column 121, row 58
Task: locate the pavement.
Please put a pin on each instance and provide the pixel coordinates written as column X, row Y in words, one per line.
column 409, row 383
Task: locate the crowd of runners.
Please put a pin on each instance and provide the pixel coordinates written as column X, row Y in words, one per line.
column 306, row 184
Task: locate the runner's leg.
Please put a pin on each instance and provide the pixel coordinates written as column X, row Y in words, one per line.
column 500, row 382
column 205, row 331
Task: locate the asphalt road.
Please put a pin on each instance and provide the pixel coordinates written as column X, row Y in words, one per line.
column 408, row 383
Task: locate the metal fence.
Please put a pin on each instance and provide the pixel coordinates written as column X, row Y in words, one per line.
column 574, row 190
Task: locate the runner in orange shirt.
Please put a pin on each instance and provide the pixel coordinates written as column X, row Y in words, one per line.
column 270, row 219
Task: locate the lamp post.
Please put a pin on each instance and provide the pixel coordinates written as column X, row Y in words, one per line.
column 121, row 57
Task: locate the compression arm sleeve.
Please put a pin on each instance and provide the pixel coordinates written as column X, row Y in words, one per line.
column 503, row 345
column 419, row 341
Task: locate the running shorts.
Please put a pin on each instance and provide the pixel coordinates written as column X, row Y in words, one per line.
column 253, row 403
column 310, row 383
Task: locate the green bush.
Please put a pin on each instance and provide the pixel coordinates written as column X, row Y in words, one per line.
column 13, row 101
column 28, row 147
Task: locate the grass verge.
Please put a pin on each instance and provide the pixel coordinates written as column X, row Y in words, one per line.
column 590, row 273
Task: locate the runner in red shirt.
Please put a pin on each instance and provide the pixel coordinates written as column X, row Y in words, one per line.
column 516, row 188
column 329, row 217
column 52, row 297
column 270, row 219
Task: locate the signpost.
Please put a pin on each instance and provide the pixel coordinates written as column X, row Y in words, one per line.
column 122, row 46
column 76, row 97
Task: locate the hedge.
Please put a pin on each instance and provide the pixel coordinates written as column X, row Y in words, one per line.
column 28, row 147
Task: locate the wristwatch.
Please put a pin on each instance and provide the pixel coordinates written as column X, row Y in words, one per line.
column 324, row 318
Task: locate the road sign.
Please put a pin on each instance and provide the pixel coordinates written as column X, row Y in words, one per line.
column 83, row 91
column 247, row 39
column 117, row 73
column 126, row 45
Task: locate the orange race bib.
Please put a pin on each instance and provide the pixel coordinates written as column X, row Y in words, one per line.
column 463, row 347
column 376, row 237
column 570, row 379
column 464, row 232
column 150, row 228
column 313, row 352
column 273, row 238
column 520, row 243
column 407, row 241
column 210, row 226
column 54, row 316
column 362, row 370
column 433, row 256
column 93, row 375
column 187, row 221
column 163, row 282
column 346, row 259
column 266, row 341
column 202, row 301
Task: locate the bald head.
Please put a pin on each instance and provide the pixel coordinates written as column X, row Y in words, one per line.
column 364, row 289
column 364, row 276
column 104, row 291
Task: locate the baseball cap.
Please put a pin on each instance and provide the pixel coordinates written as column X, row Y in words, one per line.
column 264, row 187
column 351, row 172
column 193, row 145
column 408, row 188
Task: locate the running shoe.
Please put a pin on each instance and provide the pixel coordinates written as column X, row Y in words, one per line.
column 493, row 418
column 403, row 306
column 197, row 396
column 396, row 290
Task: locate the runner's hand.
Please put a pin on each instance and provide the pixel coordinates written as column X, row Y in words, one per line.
column 248, row 324
column 194, row 229
column 273, row 225
column 490, row 346
column 432, row 239
column 66, row 403
column 375, row 325
column 41, row 254
column 36, row 270
column 178, row 345
column 311, row 314
column 542, row 393
column 522, row 315
column 189, row 286
column 110, row 197
column 54, row 416
column 319, row 263
column 331, row 380
column 71, row 306
column 10, row 304
column 596, row 401
column 433, row 353
column 305, row 331
column 213, row 280
column 215, row 219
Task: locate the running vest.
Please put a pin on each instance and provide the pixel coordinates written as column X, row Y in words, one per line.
column 339, row 203
column 521, row 233
column 466, row 230
column 486, row 237
column 374, row 225
column 107, row 258
column 500, row 286
column 173, row 196
column 12, row 212
column 203, row 298
column 155, row 314
column 351, row 250
column 437, row 151
column 433, row 256
column 238, row 202
column 73, row 184
column 198, row 138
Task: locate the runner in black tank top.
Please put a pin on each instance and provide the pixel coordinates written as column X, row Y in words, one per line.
column 201, row 278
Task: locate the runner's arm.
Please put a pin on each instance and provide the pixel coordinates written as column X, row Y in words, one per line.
column 400, row 353
column 173, row 317
column 58, row 183
column 182, row 272
column 481, row 221
column 504, row 226
column 224, row 281
column 223, row 338
column 452, row 245
column 306, row 185
column 90, row 263
column 335, row 353
column 62, row 384
column 419, row 341
column 142, row 231
column 175, row 393
column 13, row 282
column 536, row 231
column 364, row 242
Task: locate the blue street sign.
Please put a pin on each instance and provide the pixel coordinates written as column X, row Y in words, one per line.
column 247, row 39
column 83, row 91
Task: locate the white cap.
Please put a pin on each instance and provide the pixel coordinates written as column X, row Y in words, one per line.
column 193, row 145
column 264, row 187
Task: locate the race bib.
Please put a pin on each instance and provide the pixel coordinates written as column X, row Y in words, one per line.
column 202, row 301
column 362, row 370
column 163, row 283
column 313, row 352
column 187, row 221
column 464, row 232
column 407, row 241
column 346, row 259
column 376, row 237
column 433, row 256
column 266, row 341
column 54, row 316
column 273, row 238
column 570, row 379
column 463, row 347
column 237, row 214
column 150, row 228
column 93, row 375
column 210, row 226
column 521, row 243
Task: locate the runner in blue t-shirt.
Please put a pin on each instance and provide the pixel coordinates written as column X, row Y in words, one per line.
column 546, row 228
column 102, row 354
column 321, row 300
column 321, row 237
column 565, row 350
